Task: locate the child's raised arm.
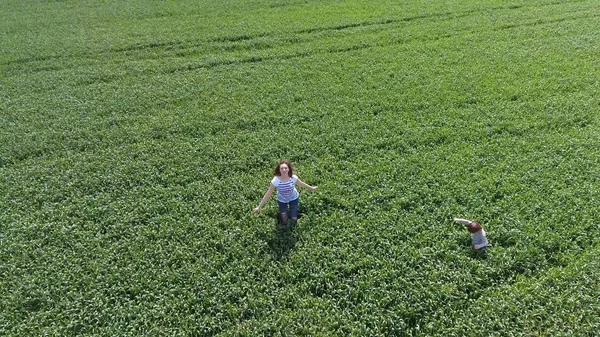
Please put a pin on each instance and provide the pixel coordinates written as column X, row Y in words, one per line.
column 462, row 221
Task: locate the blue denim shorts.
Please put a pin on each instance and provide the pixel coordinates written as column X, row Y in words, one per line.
column 283, row 208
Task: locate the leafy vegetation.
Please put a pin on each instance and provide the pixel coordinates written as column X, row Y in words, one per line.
column 137, row 136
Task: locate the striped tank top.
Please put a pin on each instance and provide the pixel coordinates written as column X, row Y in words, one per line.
column 286, row 191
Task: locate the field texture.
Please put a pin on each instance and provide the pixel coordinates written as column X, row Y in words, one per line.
column 137, row 136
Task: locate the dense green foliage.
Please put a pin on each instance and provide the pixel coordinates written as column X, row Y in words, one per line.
column 136, row 137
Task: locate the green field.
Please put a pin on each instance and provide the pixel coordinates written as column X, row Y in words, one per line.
column 137, row 136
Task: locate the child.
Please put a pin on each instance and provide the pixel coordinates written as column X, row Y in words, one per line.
column 285, row 181
column 478, row 238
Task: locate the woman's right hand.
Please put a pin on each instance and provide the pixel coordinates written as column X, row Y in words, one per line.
column 256, row 209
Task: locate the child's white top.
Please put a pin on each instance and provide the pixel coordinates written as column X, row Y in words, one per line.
column 479, row 240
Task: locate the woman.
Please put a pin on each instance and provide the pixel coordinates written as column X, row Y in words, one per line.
column 285, row 181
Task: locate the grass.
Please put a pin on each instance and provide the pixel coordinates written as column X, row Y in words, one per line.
column 136, row 138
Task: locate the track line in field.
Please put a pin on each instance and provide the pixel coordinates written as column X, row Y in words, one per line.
column 249, row 58
column 244, row 37
column 360, row 46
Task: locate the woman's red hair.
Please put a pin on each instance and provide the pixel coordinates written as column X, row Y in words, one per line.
column 278, row 171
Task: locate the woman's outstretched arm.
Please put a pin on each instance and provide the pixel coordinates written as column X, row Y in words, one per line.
column 265, row 198
column 305, row 185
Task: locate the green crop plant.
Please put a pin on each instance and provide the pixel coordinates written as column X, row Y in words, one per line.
column 136, row 137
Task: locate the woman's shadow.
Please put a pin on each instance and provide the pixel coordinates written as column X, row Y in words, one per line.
column 283, row 240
